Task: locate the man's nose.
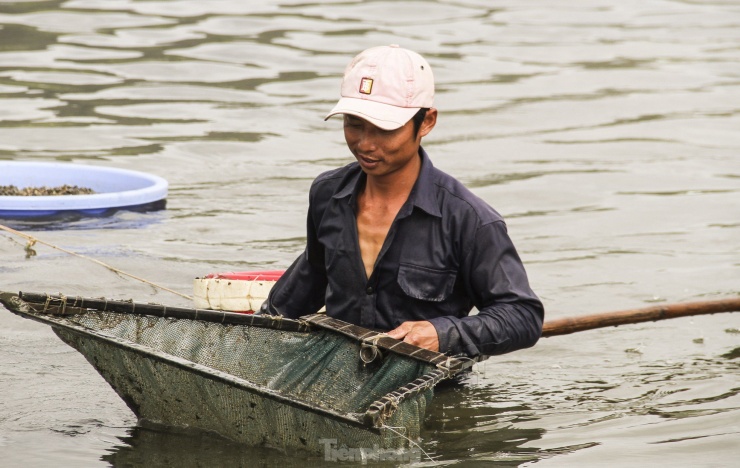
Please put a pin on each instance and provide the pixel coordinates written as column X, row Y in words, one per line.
column 367, row 140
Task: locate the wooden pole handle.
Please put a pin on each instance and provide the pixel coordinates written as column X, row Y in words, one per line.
column 569, row 325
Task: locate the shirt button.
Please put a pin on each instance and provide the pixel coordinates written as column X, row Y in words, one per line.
column 370, row 290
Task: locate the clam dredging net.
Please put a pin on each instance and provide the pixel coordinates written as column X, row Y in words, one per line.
column 258, row 380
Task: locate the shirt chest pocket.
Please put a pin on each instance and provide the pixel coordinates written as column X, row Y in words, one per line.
column 426, row 284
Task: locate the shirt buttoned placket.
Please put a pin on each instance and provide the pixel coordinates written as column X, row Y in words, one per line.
column 369, row 313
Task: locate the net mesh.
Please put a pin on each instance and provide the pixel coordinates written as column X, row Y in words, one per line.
column 261, row 386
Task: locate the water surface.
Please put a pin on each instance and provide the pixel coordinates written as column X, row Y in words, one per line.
column 605, row 132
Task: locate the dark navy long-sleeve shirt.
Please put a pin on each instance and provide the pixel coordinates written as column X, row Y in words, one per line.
column 446, row 251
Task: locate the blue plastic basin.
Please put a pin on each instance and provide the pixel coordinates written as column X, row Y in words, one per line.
column 115, row 189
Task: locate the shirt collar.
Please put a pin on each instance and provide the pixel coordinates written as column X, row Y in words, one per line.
column 423, row 194
column 352, row 182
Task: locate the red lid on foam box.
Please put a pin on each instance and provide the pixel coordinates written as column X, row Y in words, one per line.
column 263, row 275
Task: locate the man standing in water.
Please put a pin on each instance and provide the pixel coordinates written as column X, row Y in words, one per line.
column 397, row 245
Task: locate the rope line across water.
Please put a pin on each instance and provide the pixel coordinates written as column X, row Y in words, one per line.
column 33, row 240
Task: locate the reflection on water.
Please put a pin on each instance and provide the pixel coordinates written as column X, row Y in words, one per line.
column 606, row 133
column 153, row 446
column 137, row 217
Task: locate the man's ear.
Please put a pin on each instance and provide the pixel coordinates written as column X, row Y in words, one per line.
column 430, row 120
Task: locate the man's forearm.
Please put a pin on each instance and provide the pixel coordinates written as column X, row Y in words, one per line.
column 495, row 330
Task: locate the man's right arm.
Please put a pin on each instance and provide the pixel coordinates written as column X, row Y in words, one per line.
column 300, row 291
column 302, row 288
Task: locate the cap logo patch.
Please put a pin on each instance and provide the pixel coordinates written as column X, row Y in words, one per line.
column 366, row 86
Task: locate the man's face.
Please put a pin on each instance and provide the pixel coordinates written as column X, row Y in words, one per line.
column 381, row 152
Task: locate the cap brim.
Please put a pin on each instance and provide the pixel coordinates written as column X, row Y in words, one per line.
column 381, row 115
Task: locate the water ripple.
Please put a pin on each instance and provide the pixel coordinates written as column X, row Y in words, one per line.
column 605, row 132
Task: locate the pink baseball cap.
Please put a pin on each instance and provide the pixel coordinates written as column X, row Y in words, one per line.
column 386, row 86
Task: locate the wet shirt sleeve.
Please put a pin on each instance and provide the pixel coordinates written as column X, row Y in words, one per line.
column 301, row 289
column 509, row 315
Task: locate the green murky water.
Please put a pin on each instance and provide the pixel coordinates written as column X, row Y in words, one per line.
column 607, row 133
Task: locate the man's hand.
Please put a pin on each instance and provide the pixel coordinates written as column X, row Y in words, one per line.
column 421, row 334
